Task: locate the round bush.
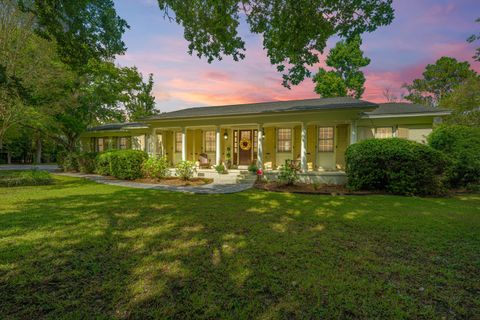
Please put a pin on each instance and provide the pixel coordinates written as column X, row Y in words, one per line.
column 462, row 145
column 395, row 165
column 156, row 168
column 102, row 163
column 127, row 164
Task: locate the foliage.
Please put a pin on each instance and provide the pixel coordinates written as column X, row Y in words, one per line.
column 103, row 163
column 127, row 164
column 68, row 161
column 294, row 32
column 185, row 169
column 252, row 167
column 156, row 168
column 462, row 145
column 464, row 101
column 288, row 173
column 86, row 162
column 395, row 165
column 25, row 178
column 220, row 168
column 143, row 251
column 346, row 59
column 473, row 38
column 439, row 80
column 84, row 29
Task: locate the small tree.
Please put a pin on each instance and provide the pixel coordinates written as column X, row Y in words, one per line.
column 346, row 59
column 185, row 170
column 156, row 168
column 289, row 173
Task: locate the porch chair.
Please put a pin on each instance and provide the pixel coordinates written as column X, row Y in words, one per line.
column 203, row 161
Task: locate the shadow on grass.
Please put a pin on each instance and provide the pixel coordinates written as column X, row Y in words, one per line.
column 82, row 250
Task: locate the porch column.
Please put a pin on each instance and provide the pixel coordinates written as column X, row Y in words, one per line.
column 218, row 151
column 260, row 147
column 353, row 132
column 153, row 143
column 184, row 144
column 303, row 148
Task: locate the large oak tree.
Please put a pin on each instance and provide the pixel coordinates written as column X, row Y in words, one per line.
column 294, row 31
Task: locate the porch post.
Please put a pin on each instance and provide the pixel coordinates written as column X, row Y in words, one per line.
column 303, row 148
column 153, row 142
column 184, row 144
column 218, row 153
column 260, row 147
column 353, row 132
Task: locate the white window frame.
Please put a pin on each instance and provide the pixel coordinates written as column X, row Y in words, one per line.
column 385, row 127
column 214, row 147
column 175, row 139
column 278, row 140
column 332, row 139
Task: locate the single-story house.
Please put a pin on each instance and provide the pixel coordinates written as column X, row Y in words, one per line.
column 314, row 132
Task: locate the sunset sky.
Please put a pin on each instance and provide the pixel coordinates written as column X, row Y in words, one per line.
column 423, row 31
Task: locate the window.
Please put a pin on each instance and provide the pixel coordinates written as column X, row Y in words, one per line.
column 383, row 132
column 178, row 141
column 284, row 140
column 210, row 141
column 122, row 143
column 325, row 139
column 100, row 146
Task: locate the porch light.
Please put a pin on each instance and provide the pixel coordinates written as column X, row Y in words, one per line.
column 225, row 135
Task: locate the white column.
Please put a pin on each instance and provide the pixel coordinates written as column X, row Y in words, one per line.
column 218, row 151
column 353, row 132
column 153, row 143
column 260, row 147
column 303, row 148
column 184, row 144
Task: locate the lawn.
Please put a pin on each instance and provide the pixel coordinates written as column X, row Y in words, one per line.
column 77, row 249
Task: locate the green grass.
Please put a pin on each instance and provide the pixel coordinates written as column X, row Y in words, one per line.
column 80, row 250
column 24, row 178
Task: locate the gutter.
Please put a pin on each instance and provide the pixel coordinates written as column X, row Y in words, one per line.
column 406, row 115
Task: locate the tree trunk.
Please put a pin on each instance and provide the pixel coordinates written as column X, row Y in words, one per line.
column 38, row 154
column 9, row 157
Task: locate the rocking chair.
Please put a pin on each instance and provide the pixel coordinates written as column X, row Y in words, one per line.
column 203, row 161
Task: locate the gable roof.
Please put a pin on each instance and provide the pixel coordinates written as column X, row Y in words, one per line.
column 403, row 108
column 266, row 107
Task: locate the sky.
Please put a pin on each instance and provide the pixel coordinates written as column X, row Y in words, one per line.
column 422, row 32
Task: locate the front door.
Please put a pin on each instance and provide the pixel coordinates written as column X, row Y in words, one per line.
column 245, row 147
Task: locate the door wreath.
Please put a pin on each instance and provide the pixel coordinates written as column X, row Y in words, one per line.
column 245, row 144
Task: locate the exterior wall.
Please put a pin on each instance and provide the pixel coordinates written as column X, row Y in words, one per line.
column 341, row 145
column 269, row 148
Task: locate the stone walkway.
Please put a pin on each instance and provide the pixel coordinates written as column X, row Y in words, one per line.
column 212, row 188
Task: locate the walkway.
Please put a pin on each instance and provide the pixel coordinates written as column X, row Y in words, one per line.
column 212, row 188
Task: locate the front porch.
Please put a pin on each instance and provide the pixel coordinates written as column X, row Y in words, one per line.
column 318, row 147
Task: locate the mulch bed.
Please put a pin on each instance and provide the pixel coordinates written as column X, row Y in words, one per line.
column 307, row 188
column 174, row 181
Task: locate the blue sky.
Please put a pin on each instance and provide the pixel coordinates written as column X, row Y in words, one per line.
column 423, row 31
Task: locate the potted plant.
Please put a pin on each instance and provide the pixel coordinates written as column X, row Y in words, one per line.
column 228, row 158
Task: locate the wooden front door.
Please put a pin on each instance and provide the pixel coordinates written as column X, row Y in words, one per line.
column 245, row 147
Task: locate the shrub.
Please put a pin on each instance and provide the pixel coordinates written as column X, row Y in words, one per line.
column 462, row 145
column 395, row 165
column 252, row 167
column 185, row 169
column 220, row 169
column 26, row 178
column 127, row 164
column 288, row 173
column 102, row 163
column 86, row 162
column 68, row 161
column 156, row 168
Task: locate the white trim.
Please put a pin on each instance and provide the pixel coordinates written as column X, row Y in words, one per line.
column 420, row 114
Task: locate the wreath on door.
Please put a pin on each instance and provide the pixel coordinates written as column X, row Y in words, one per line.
column 245, row 144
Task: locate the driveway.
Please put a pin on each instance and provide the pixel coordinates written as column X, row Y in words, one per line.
column 47, row 167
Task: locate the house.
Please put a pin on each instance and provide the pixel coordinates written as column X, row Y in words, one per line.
column 314, row 132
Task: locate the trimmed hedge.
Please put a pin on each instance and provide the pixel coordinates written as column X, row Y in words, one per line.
column 68, row 161
column 462, row 145
column 26, row 178
column 122, row 164
column 396, row 166
column 77, row 161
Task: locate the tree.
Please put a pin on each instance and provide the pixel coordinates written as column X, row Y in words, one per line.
column 438, row 80
column 346, row 59
column 473, row 38
column 389, row 95
column 464, row 101
column 294, row 32
column 83, row 29
column 140, row 102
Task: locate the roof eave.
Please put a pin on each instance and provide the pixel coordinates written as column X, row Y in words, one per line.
column 406, row 115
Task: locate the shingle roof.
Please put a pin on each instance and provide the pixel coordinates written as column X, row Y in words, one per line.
column 117, row 126
column 267, row 107
column 399, row 108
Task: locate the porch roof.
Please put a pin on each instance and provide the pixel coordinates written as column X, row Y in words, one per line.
column 398, row 109
column 267, row 107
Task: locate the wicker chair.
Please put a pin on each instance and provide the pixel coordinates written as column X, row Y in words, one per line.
column 203, row 161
